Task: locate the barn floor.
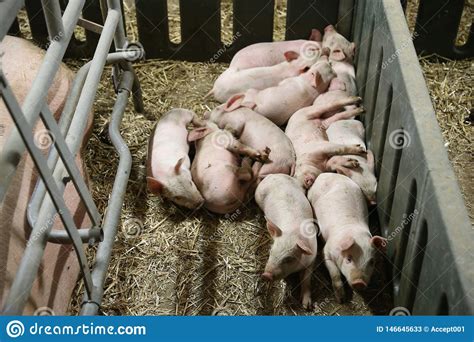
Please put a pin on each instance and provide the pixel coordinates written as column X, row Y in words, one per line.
column 170, row 261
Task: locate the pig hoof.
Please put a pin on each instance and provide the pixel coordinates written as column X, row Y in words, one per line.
column 340, row 295
column 352, row 164
column 306, row 302
column 262, row 156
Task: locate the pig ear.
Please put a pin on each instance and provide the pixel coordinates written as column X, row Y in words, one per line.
column 317, row 80
column 291, row 55
column 337, row 84
column 234, row 102
column 198, row 133
column 154, row 185
column 379, row 242
column 316, row 35
column 347, row 243
column 304, row 247
column 352, row 48
column 177, row 167
column 328, row 28
column 338, row 55
column 273, row 229
column 371, row 161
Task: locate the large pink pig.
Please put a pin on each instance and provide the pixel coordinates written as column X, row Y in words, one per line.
column 292, row 227
column 350, row 132
column 59, row 269
column 279, row 103
column 341, row 210
column 268, row 54
column 233, row 81
column 306, row 130
column 168, row 163
column 258, row 132
column 219, row 173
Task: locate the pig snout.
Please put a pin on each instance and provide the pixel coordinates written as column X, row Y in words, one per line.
column 267, row 276
column 358, row 284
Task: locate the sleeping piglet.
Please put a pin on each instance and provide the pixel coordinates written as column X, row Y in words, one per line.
column 233, row 81
column 218, row 171
column 279, row 103
column 168, row 164
column 341, row 210
column 268, row 54
column 292, row 227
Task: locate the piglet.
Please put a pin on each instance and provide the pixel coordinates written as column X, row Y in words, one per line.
column 280, row 102
column 218, row 171
column 341, row 56
column 349, row 132
column 168, row 164
column 341, row 210
column 233, row 81
column 257, row 132
column 306, row 130
column 268, row 54
column 292, row 227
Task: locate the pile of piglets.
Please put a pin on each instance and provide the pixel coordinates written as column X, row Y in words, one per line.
column 285, row 134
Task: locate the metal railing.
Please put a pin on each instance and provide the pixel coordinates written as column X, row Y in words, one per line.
column 59, row 167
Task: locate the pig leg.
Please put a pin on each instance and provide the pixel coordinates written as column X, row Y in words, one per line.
column 332, row 106
column 335, row 163
column 243, row 173
column 305, row 277
column 348, row 114
column 197, row 122
column 336, row 280
column 331, row 149
column 237, row 147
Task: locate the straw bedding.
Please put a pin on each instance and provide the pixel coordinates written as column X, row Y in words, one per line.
column 167, row 260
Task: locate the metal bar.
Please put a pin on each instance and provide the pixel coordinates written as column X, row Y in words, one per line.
column 27, row 270
column 70, row 164
column 90, row 25
column 17, row 297
column 54, row 21
column 114, row 208
column 8, row 12
column 87, row 236
column 14, row 147
column 64, row 125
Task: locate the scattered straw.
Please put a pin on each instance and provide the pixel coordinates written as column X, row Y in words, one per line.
column 170, row 261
